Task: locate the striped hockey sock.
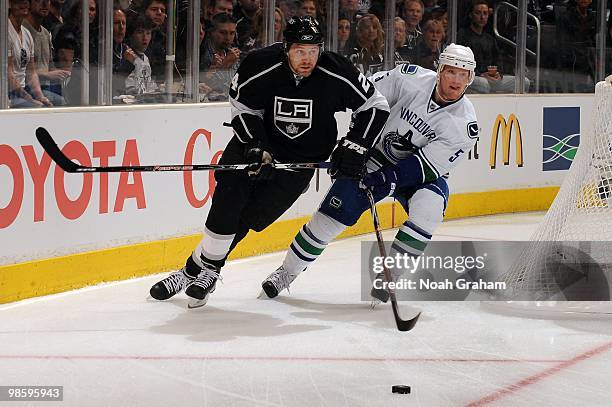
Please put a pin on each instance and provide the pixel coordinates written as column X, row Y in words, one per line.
column 310, row 242
column 409, row 239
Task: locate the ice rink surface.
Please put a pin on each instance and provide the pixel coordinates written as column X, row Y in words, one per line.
column 318, row 346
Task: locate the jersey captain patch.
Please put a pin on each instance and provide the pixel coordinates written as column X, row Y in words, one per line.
column 292, row 117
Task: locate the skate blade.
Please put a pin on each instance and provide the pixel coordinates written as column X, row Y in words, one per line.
column 264, row 296
column 197, row 303
column 374, row 302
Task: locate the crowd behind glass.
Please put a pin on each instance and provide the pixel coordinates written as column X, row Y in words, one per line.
column 158, row 51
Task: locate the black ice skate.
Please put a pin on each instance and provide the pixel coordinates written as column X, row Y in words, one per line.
column 277, row 282
column 171, row 285
column 201, row 288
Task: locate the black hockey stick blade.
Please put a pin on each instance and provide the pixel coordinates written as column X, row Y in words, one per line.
column 402, row 324
column 66, row 164
column 49, row 145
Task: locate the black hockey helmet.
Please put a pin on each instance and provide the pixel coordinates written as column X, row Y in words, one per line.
column 302, row 30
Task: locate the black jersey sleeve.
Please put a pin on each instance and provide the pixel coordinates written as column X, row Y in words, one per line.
column 369, row 106
column 247, row 95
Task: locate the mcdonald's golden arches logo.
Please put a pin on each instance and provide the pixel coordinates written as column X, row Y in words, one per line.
column 506, row 128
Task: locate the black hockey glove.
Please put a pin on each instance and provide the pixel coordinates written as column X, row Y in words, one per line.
column 382, row 183
column 260, row 164
column 348, row 159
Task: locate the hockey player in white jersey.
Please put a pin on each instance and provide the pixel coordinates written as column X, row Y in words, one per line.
column 431, row 128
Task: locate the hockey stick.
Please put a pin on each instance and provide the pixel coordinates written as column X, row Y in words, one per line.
column 402, row 324
column 66, row 164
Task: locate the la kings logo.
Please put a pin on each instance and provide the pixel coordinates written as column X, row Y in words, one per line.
column 292, row 117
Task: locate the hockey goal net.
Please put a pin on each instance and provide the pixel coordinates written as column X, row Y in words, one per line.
column 580, row 217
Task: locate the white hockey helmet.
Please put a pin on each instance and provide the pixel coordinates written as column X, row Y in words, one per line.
column 458, row 56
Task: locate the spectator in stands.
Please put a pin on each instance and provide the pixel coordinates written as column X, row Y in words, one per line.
column 68, row 36
column 259, row 33
column 288, row 7
column 403, row 53
column 54, row 18
column 221, row 6
column 307, row 8
column 344, row 33
column 67, row 47
column 50, row 78
column 350, row 8
column 428, row 50
column 279, row 24
column 155, row 10
column 244, row 12
column 68, row 52
column 489, row 71
column 216, row 7
column 139, row 81
column 413, row 14
column 219, row 60
column 92, row 11
column 24, row 87
column 123, row 56
column 367, row 56
column 441, row 15
column 577, row 28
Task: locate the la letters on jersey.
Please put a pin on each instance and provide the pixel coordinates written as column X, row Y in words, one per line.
column 292, row 117
column 418, row 123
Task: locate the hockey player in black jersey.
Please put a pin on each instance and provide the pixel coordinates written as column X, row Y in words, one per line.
column 283, row 101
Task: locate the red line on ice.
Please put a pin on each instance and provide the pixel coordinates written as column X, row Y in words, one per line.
column 528, row 381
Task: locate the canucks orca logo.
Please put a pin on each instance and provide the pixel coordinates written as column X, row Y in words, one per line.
column 397, row 146
column 292, row 117
column 561, row 137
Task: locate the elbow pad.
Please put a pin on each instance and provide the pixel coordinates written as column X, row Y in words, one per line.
column 250, row 129
column 366, row 126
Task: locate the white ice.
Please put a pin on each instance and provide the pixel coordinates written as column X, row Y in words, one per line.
column 317, row 346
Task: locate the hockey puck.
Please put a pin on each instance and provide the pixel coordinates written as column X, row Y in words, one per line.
column 401, row 389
